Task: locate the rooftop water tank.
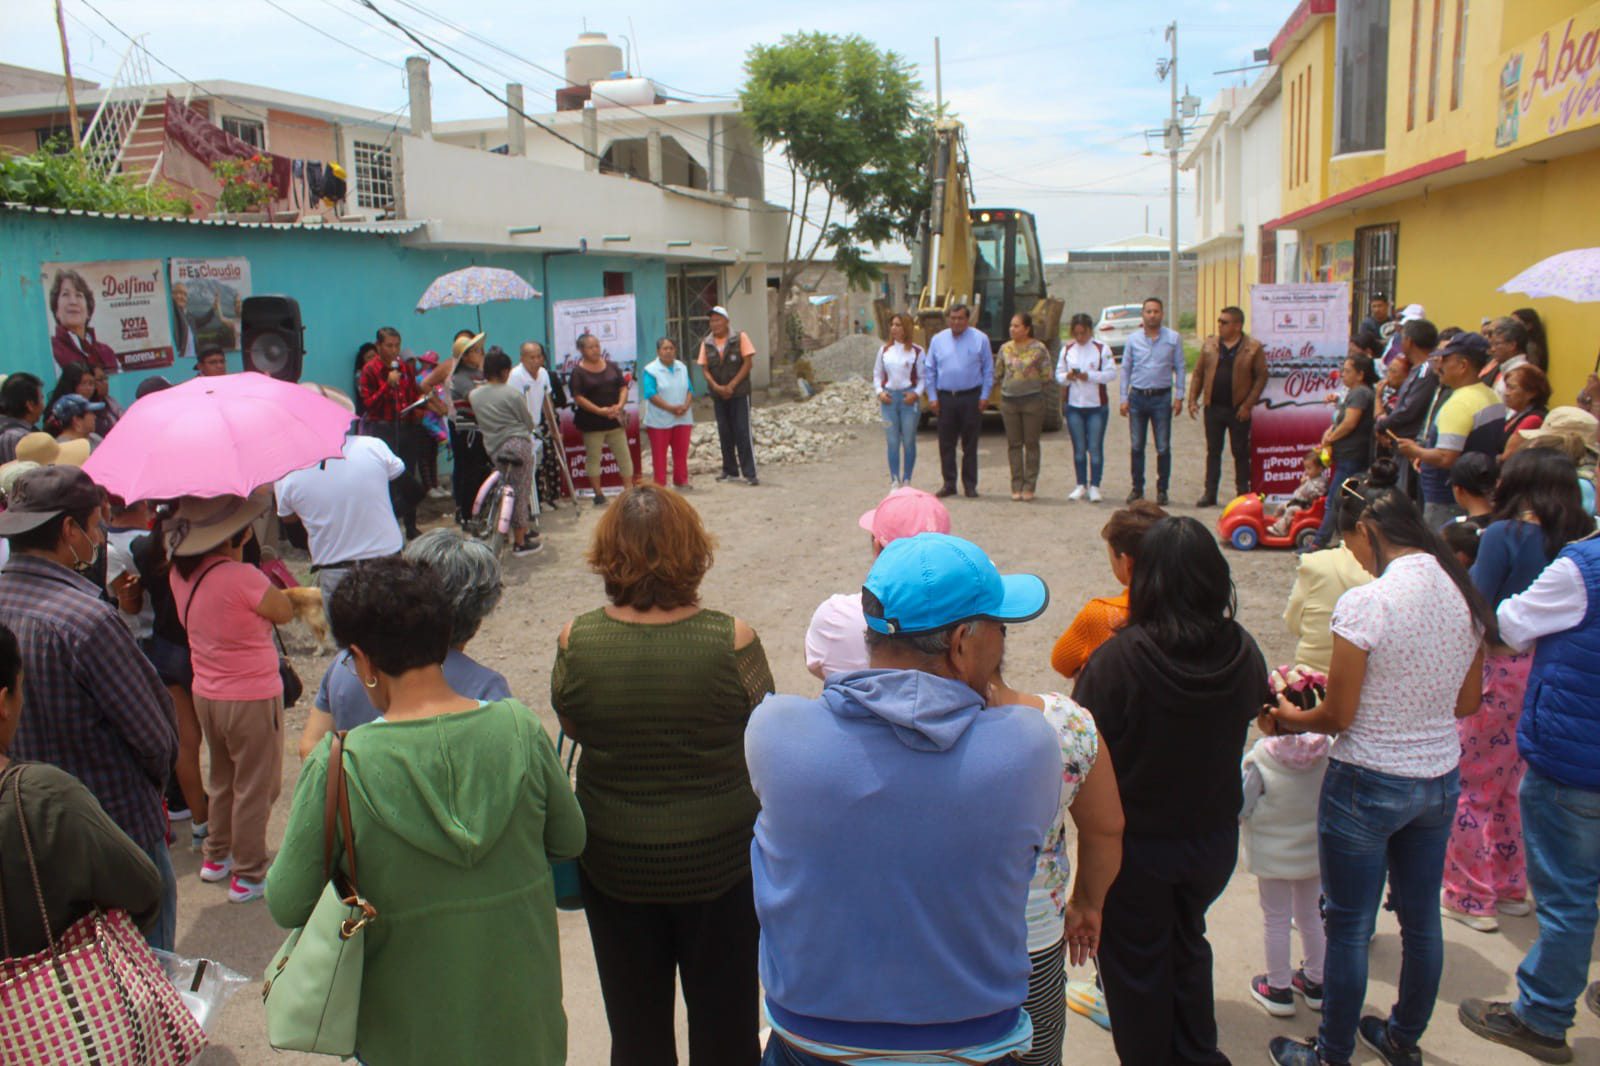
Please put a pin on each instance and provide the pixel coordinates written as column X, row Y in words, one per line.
column 624, row 92
column 592, row 59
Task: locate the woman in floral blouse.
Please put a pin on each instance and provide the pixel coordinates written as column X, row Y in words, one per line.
column 1065, row 928
column 1020, row 372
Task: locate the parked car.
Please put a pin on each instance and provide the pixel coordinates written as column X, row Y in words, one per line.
column 1118, row 323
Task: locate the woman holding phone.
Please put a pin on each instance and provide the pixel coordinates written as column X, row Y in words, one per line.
column 1086, row 367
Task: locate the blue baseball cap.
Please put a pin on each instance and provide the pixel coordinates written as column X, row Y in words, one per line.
column 932, row 581
column 70, row 405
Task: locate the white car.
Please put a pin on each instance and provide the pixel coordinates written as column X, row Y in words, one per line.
column 1118, row 323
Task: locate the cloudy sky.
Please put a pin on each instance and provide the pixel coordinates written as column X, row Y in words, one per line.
column 1057, row 94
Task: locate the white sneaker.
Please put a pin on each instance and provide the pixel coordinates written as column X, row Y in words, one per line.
column 894, row 483
column 1516, row 908
column 1483, row 923
column 1077, row 493
column 1094, row 494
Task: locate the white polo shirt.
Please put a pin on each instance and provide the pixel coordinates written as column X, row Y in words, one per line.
column 344, row 503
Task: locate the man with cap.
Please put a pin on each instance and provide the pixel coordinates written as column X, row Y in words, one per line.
column 1471, row 420
column 96, row 707
column 213, row 363
column 1394, row 334
column 468, row 456
column 726, row 355
column 836, row 641
column 1379, row 314
column 901, row 820
column 75, row 415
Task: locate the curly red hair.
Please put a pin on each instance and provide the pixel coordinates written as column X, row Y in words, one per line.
column 651, row 549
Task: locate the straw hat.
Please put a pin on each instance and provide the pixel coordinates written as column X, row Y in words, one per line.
column 200, row 524
column 45, row 450
column 328, row 392
column 1561, row 420
column 464, row 345
column 9, row 472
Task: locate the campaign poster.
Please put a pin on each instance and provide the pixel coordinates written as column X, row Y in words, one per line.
column 207, row 301
column 110, row 313
column 613, row 319
column 1303, row 329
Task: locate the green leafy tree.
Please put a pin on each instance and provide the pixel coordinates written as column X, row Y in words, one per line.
column 854, row 125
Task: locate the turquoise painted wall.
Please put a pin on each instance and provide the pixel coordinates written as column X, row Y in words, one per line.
column 347, row 285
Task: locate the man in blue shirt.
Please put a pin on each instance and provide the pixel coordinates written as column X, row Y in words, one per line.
column 1152, row 392
column 960, row 367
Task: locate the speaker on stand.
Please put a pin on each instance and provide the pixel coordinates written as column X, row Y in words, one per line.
column 273, row 338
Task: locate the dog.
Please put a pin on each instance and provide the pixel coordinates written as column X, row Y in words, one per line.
column 307, row 600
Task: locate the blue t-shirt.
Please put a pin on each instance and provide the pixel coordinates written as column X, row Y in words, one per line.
column 1511, row 554
column 343, row 695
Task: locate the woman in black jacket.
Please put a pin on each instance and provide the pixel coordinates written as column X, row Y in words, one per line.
column 1172, row 694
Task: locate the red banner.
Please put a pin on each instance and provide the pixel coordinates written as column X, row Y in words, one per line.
column 1303, row 328
column 578, row 459
column 195, row 134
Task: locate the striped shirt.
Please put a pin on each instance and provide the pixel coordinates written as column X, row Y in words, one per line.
column 95, row 707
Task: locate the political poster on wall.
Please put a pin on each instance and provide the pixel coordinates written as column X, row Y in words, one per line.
column 612, row 319
column 110, row 314
column 207, row 298
column 1303, row 329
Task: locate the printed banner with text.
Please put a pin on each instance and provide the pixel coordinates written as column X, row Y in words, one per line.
column 613, row 320
column 111, row 314
column 207, row 302
column 1303, row 328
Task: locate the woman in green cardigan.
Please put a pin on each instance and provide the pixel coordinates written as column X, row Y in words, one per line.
column 458, row 808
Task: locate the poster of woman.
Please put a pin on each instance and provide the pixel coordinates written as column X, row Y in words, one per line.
column 207, row 298
column 110, row 314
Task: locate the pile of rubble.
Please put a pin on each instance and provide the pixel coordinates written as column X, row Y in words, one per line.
column 849, row 357
column 786, row 433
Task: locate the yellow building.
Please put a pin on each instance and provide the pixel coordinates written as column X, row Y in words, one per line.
column 1433, row 149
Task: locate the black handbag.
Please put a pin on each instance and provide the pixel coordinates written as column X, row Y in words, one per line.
column 293, row 687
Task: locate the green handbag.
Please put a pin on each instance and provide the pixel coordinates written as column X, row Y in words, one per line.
column 312, row 988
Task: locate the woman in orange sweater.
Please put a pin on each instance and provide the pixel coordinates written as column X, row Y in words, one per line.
column 1104, row 615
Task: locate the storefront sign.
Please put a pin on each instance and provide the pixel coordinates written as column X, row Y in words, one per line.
column 1550, row 85
column 111, row 313
column 1302, row 328
column 207, row 298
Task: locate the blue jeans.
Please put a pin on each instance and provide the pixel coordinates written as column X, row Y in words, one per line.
column 164, row 934
column 1343, row 469
column 1372, row 825
column 1088, row 428
column 900, row 427
column 1152, row 409
column 1561, row 831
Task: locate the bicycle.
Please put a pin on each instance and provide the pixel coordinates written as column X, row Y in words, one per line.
column 494, row 507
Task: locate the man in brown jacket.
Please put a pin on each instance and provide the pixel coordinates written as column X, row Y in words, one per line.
column 1227, row 380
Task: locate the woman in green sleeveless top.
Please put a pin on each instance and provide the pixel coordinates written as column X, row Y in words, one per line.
column 657, row 690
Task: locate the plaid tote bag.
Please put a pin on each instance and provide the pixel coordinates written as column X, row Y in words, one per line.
column 95, row 996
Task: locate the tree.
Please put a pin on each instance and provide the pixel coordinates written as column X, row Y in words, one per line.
column 853, row 124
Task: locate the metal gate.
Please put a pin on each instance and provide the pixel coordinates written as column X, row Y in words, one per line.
column 1377, row 264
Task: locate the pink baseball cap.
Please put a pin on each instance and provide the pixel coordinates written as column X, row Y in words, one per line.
column 905, row 513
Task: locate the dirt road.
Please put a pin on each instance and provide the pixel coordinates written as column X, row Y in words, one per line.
column 786, row 545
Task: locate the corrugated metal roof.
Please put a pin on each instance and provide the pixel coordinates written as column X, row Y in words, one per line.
column 398, row 227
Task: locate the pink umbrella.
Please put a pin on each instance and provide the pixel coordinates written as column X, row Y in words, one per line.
column 216, row 436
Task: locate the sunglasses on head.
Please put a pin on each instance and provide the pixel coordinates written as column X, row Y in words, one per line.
column 1351, row 487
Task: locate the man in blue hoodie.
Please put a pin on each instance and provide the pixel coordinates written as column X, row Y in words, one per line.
column 901, row 819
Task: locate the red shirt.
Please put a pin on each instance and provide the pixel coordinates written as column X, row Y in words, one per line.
column 382, row 401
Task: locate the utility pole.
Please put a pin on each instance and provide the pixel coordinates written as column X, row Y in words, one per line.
column 938, row 82
column 1174, row 143
column 72, row 88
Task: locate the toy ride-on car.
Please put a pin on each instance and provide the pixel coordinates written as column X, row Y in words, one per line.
column 1244, row 524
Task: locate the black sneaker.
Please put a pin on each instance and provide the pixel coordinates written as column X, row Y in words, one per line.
column 945, row 492
column 1287, row 1051
column 1208, row 500
column 727, row 477
column 1161, row 499
column 1374, row 1032
column 752, row 481
column 1310, row 991
column 531, row 546
column 599, row 499
column 972, row 494
column 1278, row 1002
column 1499, row 1023
column 1592, row 997
column 1136, row 494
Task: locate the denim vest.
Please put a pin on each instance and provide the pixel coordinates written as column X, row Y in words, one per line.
column 1559, row 733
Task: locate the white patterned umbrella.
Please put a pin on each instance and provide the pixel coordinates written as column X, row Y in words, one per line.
column 1573, row 275
column 474, row 287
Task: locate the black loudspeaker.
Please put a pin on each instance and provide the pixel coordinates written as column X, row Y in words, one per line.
column 273, row 340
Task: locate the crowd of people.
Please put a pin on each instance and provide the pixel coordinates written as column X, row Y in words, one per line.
column 882, row 872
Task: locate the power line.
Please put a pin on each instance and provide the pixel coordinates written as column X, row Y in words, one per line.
column 314, row 28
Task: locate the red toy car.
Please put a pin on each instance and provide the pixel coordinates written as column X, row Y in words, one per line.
column 1244, row 524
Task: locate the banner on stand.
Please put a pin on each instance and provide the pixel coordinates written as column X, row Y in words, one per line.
column 108, row 313
column 611, row 319
column 1303, row 329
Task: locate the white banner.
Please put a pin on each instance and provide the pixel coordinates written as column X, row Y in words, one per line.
column 613, row 319
column 207, row 299
column 1305, row 330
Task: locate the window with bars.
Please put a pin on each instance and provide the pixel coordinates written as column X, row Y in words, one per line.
column 1377, row 263
column 247, row 130
column 374, row 175
column 690, row 298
